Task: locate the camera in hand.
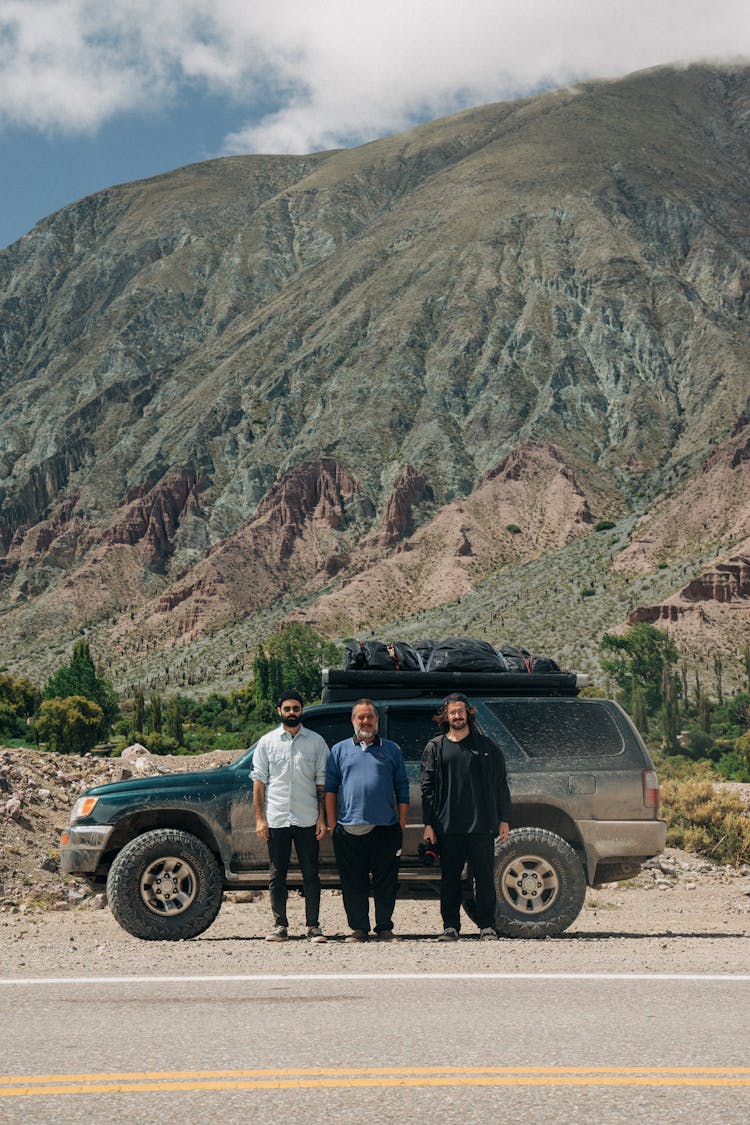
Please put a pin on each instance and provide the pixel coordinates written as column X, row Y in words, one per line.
column 429, row 854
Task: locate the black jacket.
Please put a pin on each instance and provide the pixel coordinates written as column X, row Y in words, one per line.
column 494, row 779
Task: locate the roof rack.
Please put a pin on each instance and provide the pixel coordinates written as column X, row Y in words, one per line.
column 341, row 684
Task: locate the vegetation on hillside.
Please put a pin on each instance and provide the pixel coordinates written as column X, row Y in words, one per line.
column 697, row 736
column 78, row 709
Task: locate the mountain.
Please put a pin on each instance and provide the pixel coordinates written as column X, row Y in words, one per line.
column 359, row 385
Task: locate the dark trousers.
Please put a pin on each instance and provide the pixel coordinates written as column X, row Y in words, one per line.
column 358, row 857
column 279, row 853
column 478, row 850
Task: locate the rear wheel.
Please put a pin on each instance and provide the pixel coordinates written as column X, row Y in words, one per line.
column 540, row 884
column 165, row 886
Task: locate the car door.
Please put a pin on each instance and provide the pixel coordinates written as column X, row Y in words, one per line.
column 411, row 725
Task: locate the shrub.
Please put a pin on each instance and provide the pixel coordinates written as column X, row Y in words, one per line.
column 156, row 742
column 712, row 822
column 604, row 525
column 699, row 743
column 11, row 723
column 70, row 725
column 513, row 528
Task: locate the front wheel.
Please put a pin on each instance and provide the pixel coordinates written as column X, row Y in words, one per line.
column 165, row 886
column 539, row 882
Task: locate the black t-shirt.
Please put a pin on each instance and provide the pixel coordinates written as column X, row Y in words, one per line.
column 466, row 803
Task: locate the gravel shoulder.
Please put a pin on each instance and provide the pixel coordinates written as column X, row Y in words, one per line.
column 680, row 915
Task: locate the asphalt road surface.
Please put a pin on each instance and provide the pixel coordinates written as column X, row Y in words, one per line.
column 362, row 1047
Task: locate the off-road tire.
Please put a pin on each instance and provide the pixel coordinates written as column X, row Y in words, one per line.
column 540, row 884
column 180, row 862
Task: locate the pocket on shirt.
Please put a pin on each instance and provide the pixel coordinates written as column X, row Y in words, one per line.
column 278, row 764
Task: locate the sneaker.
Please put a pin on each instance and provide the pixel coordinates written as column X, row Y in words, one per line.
column 449, row 934
column 315, row 934
column 487, row 934
column 357, row 935
column 386, row 935
column 278, row 933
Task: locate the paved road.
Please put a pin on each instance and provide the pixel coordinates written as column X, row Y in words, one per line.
column 342, row 1048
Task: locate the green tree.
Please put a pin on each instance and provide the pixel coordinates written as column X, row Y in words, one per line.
column 139, row 711
column 670, row 714
column 302, row 652
column 173, row 721
column 637, row 663
column 640, row 715
column 704, row 712
column 718, row 670
column 21, row 695
column 260, row 675
column 19, row 700
column 69, row 725
column 739, row 710
column 156, row 714
column 79, row 678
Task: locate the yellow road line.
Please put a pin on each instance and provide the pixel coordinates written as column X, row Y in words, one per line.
column 380, row 1077
column 313, row 1072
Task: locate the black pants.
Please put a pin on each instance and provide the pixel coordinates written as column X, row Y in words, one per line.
column 478, row 850
column 358, row 857
column 279, row 854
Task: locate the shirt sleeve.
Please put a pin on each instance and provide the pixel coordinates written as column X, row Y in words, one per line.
column 428, row 784
column 259, row 771
column 503, row 791
column 400, row 778
column 333, row 772
column 321, row 762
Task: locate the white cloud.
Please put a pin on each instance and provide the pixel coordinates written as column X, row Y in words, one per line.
column 341, row 70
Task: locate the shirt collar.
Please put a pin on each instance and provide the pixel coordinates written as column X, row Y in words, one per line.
column 375, row 742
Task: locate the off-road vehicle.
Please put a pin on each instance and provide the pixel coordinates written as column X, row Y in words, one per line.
column 585, row 807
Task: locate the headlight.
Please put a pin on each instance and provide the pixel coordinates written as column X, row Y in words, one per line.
column 84, row 806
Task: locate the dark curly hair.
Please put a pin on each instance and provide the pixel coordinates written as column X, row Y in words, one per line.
column 441, row 716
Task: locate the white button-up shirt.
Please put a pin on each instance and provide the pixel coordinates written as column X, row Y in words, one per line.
column 291, row 770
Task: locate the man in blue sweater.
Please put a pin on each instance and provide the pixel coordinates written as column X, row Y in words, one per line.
column 367, row 799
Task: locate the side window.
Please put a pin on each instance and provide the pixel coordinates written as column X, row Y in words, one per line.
column 332, row 726
column 412, row 728
column 560, row 728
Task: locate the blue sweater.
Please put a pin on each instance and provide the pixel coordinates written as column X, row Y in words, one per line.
column 370, row 783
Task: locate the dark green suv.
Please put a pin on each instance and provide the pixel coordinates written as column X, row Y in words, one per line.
column 585, row 807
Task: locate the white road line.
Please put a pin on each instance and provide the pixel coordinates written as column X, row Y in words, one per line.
column 618, row 978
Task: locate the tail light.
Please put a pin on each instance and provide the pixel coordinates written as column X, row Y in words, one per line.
column 650, row 789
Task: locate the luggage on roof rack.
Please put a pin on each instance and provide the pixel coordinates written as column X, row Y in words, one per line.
column 350, row 684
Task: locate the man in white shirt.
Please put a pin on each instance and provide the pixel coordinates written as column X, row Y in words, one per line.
column 288, row 772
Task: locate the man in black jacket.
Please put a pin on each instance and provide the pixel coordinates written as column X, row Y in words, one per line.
column 465, row 805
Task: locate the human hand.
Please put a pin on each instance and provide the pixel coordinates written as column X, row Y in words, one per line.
column 430, row 836
column 261, row 829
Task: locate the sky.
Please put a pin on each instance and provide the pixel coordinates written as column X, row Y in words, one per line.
column 100, row 92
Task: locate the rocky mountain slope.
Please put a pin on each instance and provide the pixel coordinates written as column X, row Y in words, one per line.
column 331, row 385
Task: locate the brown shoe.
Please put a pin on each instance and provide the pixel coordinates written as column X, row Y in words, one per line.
column 278, row 933
column 386, row 935
column 357, row 935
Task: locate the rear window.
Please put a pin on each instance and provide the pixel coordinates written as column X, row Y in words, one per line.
column 560, row 728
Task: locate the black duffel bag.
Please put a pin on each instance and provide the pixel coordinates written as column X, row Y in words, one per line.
column 462, row 654
column 381, row 656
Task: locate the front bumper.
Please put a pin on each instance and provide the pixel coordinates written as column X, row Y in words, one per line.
column 608, row 841
column 82, row 846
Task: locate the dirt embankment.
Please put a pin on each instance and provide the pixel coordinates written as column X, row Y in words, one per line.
column 37, row 792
